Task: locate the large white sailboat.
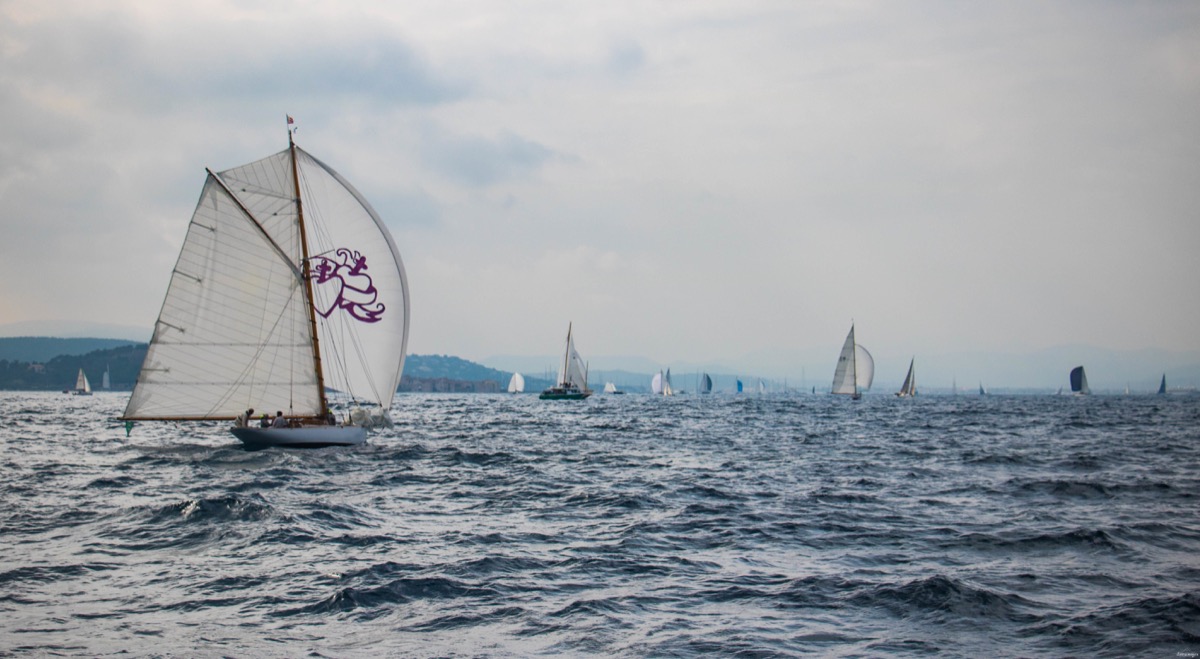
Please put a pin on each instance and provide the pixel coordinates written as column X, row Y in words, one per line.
column 909, row 388
column 572, row 376
column 288, row 287
column 660, row 384
column 855, row 369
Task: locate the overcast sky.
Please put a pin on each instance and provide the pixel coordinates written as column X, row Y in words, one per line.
column 701, row 181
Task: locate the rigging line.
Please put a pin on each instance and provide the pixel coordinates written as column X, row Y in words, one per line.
column 253, row 220
column 245, row 374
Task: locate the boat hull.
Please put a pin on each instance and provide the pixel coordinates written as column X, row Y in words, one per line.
column 570, row 395
column 302, row 437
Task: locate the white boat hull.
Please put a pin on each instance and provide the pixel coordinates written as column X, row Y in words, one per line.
column 302, row 437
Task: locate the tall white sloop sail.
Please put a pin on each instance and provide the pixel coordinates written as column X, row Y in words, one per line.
column 516, row 384
column 81, row 383
column 844, row 374
column 909, row 386
column 235, row 329
column 573, row 370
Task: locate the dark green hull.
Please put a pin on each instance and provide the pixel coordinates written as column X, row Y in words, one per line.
column 564, row 394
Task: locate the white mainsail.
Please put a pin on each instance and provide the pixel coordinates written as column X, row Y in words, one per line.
column 81, row 383
column 105, row 381
column 573, row 370
column 610, row 388
column 909, row 388
column 236, row 327
column 843, row 375
column 855, row 368
column 516, row 384
column 656, row 383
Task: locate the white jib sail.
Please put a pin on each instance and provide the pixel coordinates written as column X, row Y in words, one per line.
column 864, row 368
column 234, row 330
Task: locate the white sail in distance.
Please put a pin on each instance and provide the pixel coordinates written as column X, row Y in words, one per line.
column 516, row 384
column 864, row 368
column 573, row 370
column 236, row 326
column 843, row 374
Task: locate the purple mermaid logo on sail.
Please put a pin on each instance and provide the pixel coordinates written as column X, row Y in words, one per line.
column 342, row 282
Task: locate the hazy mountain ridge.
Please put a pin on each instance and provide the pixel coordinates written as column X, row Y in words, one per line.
column 1045, row 369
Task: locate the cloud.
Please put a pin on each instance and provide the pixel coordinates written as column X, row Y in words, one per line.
column 478, row 161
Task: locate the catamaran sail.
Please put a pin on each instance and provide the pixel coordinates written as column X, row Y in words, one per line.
column 572, row 375
column 1162, row 386
column 516, row 384
column 82, row 386
column 855, row 368
column 288, row 285
column 909, row 388
column 1079, row 385
column 705, row 384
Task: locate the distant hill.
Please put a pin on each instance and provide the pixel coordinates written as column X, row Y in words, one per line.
column 41, row 349
column 45, row 363
column 58, row 373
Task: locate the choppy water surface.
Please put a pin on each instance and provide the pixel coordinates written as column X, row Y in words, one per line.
column 623, row 525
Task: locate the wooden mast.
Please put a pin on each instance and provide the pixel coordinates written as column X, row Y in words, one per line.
column 304, row 269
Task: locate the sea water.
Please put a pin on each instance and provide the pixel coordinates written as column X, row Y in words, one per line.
column 506, row 526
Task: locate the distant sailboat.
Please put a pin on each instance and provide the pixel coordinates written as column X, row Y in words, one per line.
column 982, row 391
column 105, row 382
column 1079, row 385
column 82, row 386
column 855, row 369
column 516, row 384
column 611, row 388
column 739, row 385
column 1162, row 386
column 705, row 384
column 572, row 377
column 762, row 388
column 909, row 388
